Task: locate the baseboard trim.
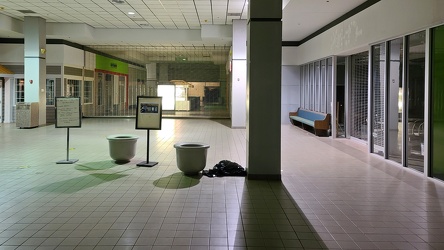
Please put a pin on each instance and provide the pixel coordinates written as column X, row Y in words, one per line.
column 268, row 177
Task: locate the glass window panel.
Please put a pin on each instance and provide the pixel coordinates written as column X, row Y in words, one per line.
column 307, row 87
column 302, row 93
column 317, row 87
column 340, row 95
column 312, row 82
column 20, row 90
column 415, row 87
column 50, row 91
column 194, row 66
column 72, row 88
column 378, row 98
column 329, row 87
column 395, row 101
column 359, row 96
column 323, row 89
column 87, row 92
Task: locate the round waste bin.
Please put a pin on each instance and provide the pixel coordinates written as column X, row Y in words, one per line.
column 191, row 157
column 122, row 148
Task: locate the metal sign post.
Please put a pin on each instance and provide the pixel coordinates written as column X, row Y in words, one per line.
column 148, row 116
column 67, row 161
column 68, row 115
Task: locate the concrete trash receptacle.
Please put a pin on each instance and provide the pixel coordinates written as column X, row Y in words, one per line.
column 122, row 147
column 191, row 157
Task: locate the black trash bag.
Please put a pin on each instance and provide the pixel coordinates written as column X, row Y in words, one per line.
column 225, row 168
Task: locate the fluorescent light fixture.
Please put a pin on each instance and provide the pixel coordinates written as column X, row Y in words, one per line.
column 131, row 13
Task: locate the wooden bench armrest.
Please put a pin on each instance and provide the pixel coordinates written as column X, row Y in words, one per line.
column 323, row 124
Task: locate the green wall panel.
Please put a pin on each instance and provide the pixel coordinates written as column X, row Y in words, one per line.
column 112, row 65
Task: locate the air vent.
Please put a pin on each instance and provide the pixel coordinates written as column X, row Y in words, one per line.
column 27, row 11
column 118, row 1
column 234, row 14
column 144, row 25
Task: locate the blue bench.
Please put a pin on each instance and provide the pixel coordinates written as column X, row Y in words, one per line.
column 320, row 122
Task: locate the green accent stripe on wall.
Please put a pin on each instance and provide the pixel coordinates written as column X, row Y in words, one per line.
column 112, row 65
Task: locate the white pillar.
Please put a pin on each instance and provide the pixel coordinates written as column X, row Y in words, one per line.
column 35, row 63
column 239, row 75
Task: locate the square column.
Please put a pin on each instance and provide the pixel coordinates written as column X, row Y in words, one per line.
column 264, row 60
column 239, row 74
column 35, row 63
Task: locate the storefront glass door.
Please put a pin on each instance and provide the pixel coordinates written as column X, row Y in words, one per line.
column 415, row 102
column 359, row 96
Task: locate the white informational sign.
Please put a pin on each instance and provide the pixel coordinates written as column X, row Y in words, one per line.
column 68, row 114
column 149, row 112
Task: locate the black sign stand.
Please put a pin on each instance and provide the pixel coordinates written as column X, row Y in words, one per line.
column 67, row 161
column 147, row 163
column 148, row 116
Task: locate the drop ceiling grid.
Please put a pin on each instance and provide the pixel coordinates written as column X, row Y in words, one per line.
column 172, row 14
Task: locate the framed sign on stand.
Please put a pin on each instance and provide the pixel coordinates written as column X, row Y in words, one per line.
column 68, row 115
column 148, row 116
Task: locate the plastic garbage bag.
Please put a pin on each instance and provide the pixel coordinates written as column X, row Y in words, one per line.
column 225, row 168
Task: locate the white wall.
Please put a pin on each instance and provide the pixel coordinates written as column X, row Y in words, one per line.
column 56, row 54
column 90, row 60
column 291, row 99
column 384, row 20
column 12, row 53
column 73, row 57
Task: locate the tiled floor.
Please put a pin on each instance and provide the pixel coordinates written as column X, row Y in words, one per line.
column 333, row 195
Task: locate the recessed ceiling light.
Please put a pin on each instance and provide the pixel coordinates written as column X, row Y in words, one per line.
column 131, row 13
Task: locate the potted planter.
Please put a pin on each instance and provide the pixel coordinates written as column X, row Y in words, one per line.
column 122, row 147
column 191, row 157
